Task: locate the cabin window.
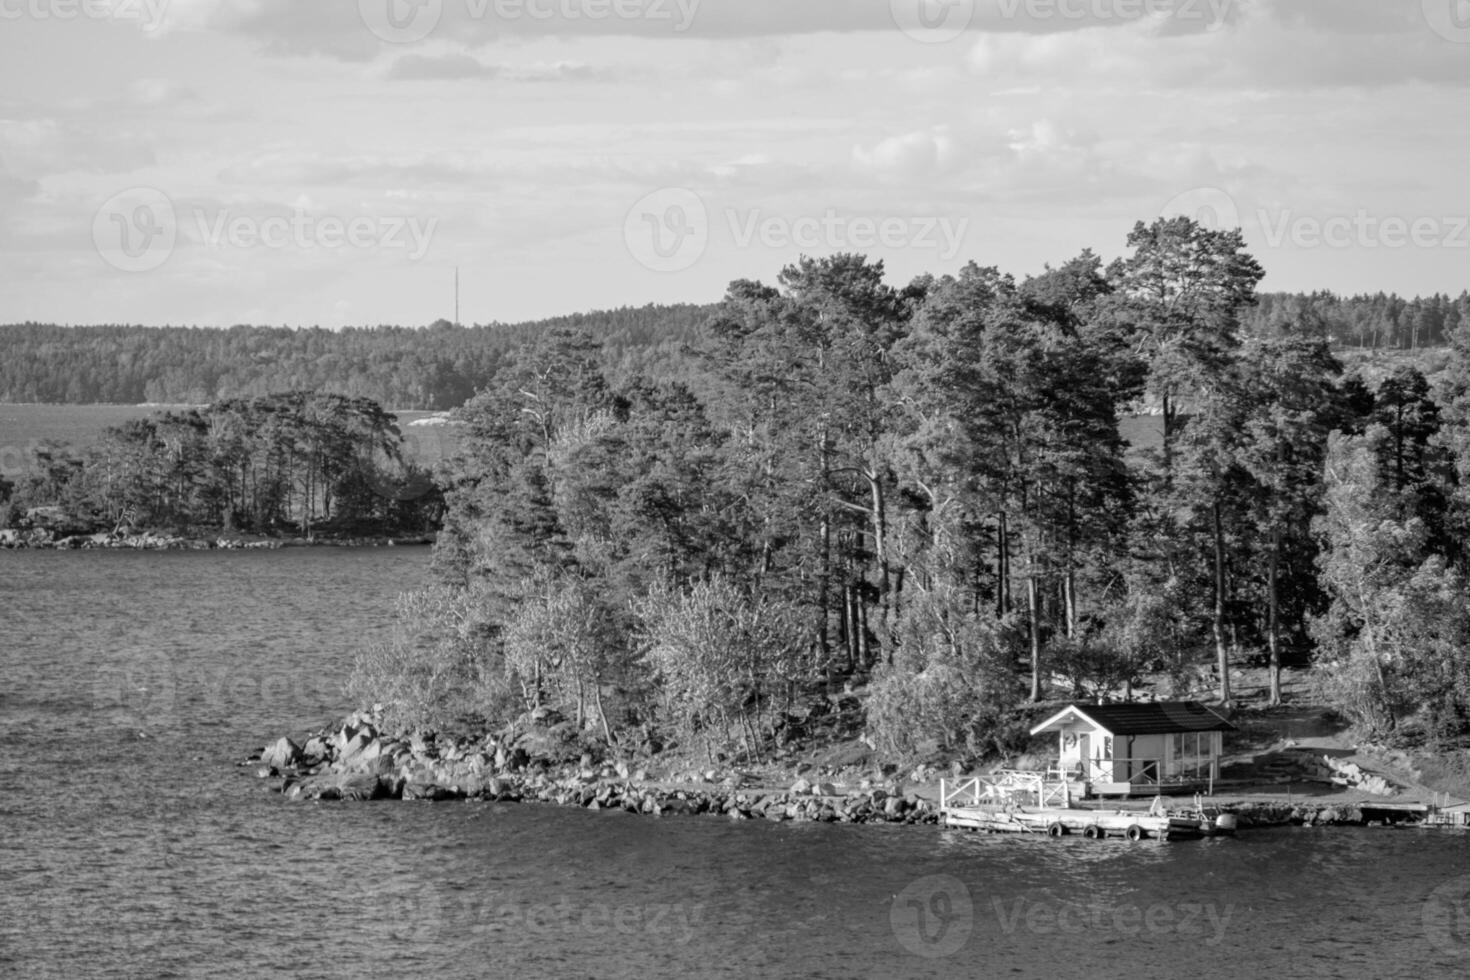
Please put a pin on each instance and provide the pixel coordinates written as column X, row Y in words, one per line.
column 1107, row 747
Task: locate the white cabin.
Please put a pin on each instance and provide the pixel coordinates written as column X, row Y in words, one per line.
column 1121, row 749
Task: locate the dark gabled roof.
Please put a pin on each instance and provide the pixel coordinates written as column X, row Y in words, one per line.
column 1147, row 718
column 1155, row 718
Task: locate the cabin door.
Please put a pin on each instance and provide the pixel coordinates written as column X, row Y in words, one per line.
column 1084, row 753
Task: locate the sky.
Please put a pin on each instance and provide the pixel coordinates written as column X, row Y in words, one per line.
column 334, row 162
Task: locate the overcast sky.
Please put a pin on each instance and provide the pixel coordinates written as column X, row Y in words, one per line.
column 332, row 162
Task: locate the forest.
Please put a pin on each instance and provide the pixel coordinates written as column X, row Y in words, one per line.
column 442, row 366
column 433, row 368
column 296, row 462
column 921, row 495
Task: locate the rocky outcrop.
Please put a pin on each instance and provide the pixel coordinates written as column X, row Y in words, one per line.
column 355, row 761
column 1354, row 776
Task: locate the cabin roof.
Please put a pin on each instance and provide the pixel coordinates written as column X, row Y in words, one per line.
column 1147, row 718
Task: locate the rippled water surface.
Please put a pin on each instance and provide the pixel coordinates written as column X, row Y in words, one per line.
column 133, row 846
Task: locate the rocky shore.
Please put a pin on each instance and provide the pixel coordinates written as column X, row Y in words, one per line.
column 14, row 539
column 540, row 760
column 354, row 761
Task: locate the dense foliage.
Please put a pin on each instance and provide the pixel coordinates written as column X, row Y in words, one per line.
column 442, row 366
column 298, row 461
column 922, row 493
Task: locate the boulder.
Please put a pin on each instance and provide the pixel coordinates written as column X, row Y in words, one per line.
column 281, row 754
column 801, row 787
column 361, row 753
column 315, row 751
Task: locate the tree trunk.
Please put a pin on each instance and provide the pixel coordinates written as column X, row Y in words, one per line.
column 1033, row 604
column 1069, row 602
column 1273, row 614
column 1222, row 652
column 880, row 554
column 1003, row 569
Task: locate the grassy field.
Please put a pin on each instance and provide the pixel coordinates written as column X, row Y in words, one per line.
column 24, row 427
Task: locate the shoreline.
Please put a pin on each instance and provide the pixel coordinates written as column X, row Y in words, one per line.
column 352, row 761
column 41, row 539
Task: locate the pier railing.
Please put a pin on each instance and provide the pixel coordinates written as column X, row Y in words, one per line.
column 1014, row 787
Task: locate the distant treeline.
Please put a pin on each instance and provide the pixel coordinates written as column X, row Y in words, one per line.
column 442, row 366
column 436, row 367
column 296, row 462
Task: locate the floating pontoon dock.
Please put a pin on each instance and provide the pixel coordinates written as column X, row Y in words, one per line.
column 1030, row 803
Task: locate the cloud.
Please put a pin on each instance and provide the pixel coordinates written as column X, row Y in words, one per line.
column 43, row 147
column 452, row 67
column 464, row 67
column 912, row 156
column 1267, row 45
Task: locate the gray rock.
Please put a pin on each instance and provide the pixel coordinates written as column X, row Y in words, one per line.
column 281, row 754
column 315, row 751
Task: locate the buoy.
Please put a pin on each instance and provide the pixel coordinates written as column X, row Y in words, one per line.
column 1134, row 832
column 1092, row 832
column 1056, row 829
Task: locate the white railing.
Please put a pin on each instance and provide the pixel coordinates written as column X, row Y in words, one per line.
column 1008, row 787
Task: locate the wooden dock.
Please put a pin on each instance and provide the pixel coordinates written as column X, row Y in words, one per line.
column 1027, row 803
